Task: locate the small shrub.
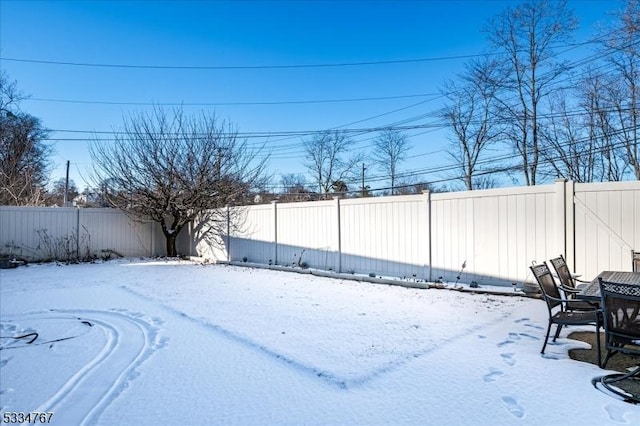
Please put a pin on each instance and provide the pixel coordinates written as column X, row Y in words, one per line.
column 66, row 248
column 299, row 261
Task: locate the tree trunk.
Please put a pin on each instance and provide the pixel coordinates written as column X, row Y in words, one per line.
column 171, row 244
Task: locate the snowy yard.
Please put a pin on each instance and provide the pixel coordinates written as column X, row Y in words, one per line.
column 177, row 343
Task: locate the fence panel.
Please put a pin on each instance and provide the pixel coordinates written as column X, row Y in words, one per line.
column 38, row 233
column 312, row 227
column 495, row 233
column 252, row 236
column 607, row 226
column 384, row 235
column 110, row 229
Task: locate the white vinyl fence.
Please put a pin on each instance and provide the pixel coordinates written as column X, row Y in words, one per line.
column 39, row 233
column 495, row 233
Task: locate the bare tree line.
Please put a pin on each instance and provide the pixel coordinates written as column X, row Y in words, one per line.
column 24, row 153
column 557, row 118
column 519, row 99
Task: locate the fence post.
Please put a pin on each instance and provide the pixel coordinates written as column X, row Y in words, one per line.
column 228, row 233
column 561, row 219
column 339, row 234
column 570, row 224
column 427, row 239
column 78, row 233
column 274, row 205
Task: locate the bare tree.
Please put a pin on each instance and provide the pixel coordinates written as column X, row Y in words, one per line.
column 173, row 169
column 57, row 194
column 410, row 188
column 525, row 35
column 569, row 151
column 470, row 114
column 389, row 150
column 622, row 53
column 598, row 123
column 329, row 159
column 294, row 188
column 24, row 153
column 10, row 96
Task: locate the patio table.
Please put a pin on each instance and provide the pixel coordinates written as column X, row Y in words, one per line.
column 621, row 311
column 591, row 291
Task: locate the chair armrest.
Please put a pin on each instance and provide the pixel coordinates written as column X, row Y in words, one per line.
column 596, row 307
column 559, row 299
column 569, row 289
column 582, row 281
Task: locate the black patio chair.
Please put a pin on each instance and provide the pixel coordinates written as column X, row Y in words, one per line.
column 558, row 312
column 621, row 323
column 568, row 286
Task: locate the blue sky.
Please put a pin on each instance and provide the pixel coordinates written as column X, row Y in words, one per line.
column 249, row 34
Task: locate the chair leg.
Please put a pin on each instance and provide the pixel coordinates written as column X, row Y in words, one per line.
column 599, row 355
column 557, row 332
column 607, row 357
column 544, row 345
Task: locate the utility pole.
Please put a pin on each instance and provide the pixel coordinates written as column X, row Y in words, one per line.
column 363, row 188
column 66, row 187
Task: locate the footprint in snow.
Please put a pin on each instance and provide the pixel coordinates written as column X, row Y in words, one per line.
column 529, row 336
column 537, row 327
column 509, row 358
column 512, row 339
column 513, row 406
column 492, row 375
column 616, row 413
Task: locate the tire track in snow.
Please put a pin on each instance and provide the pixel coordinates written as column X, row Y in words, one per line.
column 88, row 392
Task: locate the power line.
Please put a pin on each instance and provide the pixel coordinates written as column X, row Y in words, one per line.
column 306, row 101
column 284, row 66
column 290, row 135
column 356, row 131
column 258, row 134
column 242, row 67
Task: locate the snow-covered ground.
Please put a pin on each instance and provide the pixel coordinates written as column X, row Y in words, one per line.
column 177, row 343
